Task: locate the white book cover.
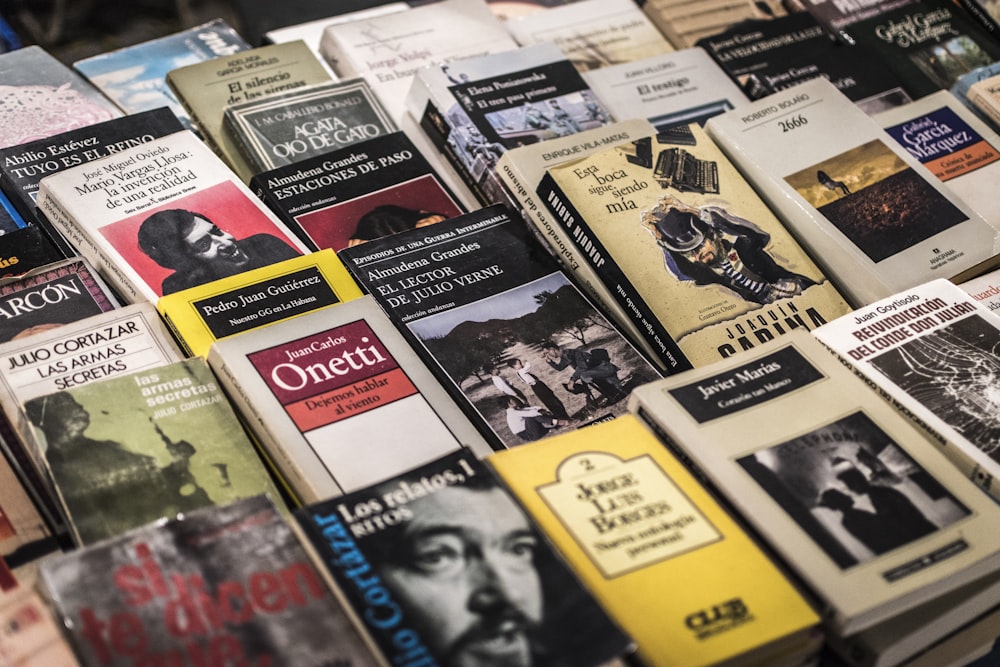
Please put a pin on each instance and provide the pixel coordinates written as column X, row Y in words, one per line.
column 934, row 350
column 985, row 289
column 311, row 32
column 870, row 214
column 681, row 87
column 340, row 400
column 164, row 216
column 848, row 493
column 593, row 33
column 954, row 144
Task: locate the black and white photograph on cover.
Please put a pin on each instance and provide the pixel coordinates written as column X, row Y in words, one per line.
column 475, row 578
column 875, row 199
column 943, row 62
column 853, row 490
column 953, row 372
column 537, row 121
column 542, row 331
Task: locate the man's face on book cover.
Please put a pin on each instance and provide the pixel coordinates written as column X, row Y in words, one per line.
column 208, row 244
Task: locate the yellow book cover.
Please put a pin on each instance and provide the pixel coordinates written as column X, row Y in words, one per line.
column 687, row 247
column 201, row 315
column 666, row 561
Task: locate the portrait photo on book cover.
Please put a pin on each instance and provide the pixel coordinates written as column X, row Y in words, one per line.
column 472, row 574
column 952, row 372
column 535, row 360
column 210, row 234
column 875, row 199
column 853, row 490
column 418, row 202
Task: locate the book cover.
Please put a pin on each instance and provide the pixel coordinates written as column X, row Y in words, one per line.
column 134, row 77
column 475, row 109
column 310, row 30
column 461, row 572
column 340, row 400
column 684, row 22
column 926, row 44
column 984, row 288
column 25, row 249
column 593, row 33
column 221, row 585
column 481, row 301
column 282, row 129
column 164, row 216
column 982, row 97
column 10, row 218
column 954, row 144
column 137, row 447
column 875, row 219
column 850, row 494
column 512, row 10
column 836, row 17
column 764, row 57
column 206, row 88
column 23, row 166
column 27, row 536
column 669, row 90
column 686, row 247
column 377, row 187
column 41, row 96
column 932, row 349
column 201, row 315
column 50, row 296
column 30, row 636
column 630, row 520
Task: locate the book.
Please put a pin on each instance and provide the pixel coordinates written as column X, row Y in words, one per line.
column 215, row 585
column 681, row 241
column 984, row 288
column 134, row 76
column 30, row 636
column 201, row 315
column 10, row 218
column 339, row 400
column 434, row 542
column 481, row 300
column 137, row 447
column 311, row 30
column 41, row 96
column 206, row 88
column 957, row 147
column 684, row 22
column 983, row 97
column 852, row 496
column 669, row 90
column 630, row 519
column 766, row 56
column 23, row 166
column 164, row 216
column 987, row 12
column 930, row 349
column 27, row 536
column 283, row 129
column 508, row 10
column 362, row 192
column 926, row 44
column 836, row 17
column 388, row 50
column 474, row 109
column 25, row 249
column 874, row 218
column 974, row 645
column 593, row 33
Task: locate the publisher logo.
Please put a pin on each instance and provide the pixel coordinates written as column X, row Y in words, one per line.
column 718, row 618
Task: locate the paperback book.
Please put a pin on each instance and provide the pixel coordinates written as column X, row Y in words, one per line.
column 340, row 400
column 684, row 22
column 206, row 88
column 474, row 109
column 836, row 17
column 874, row 218
column 983, row 96
column 410, row 538
column 633, row 522
column 219, row 585
column 164, row 216
column 201, row 315
column 310, row 30
column 984, row 288
column 41, row 96
column 134, row 77
column 932, row 350
column 520, row 348
column 343, row 198
column 277, row 130
column 593, row 33
column 138, row 447
column 30, row 636
column 686, row 248
column 852, row 496
column 954, row 144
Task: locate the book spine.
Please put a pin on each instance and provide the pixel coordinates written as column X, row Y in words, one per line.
column 606, row 269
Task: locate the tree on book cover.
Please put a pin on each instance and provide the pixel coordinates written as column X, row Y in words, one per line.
column 221, row 585
column 446, row 568
column 132, row 449
column 347, row 197
column 504, row 328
